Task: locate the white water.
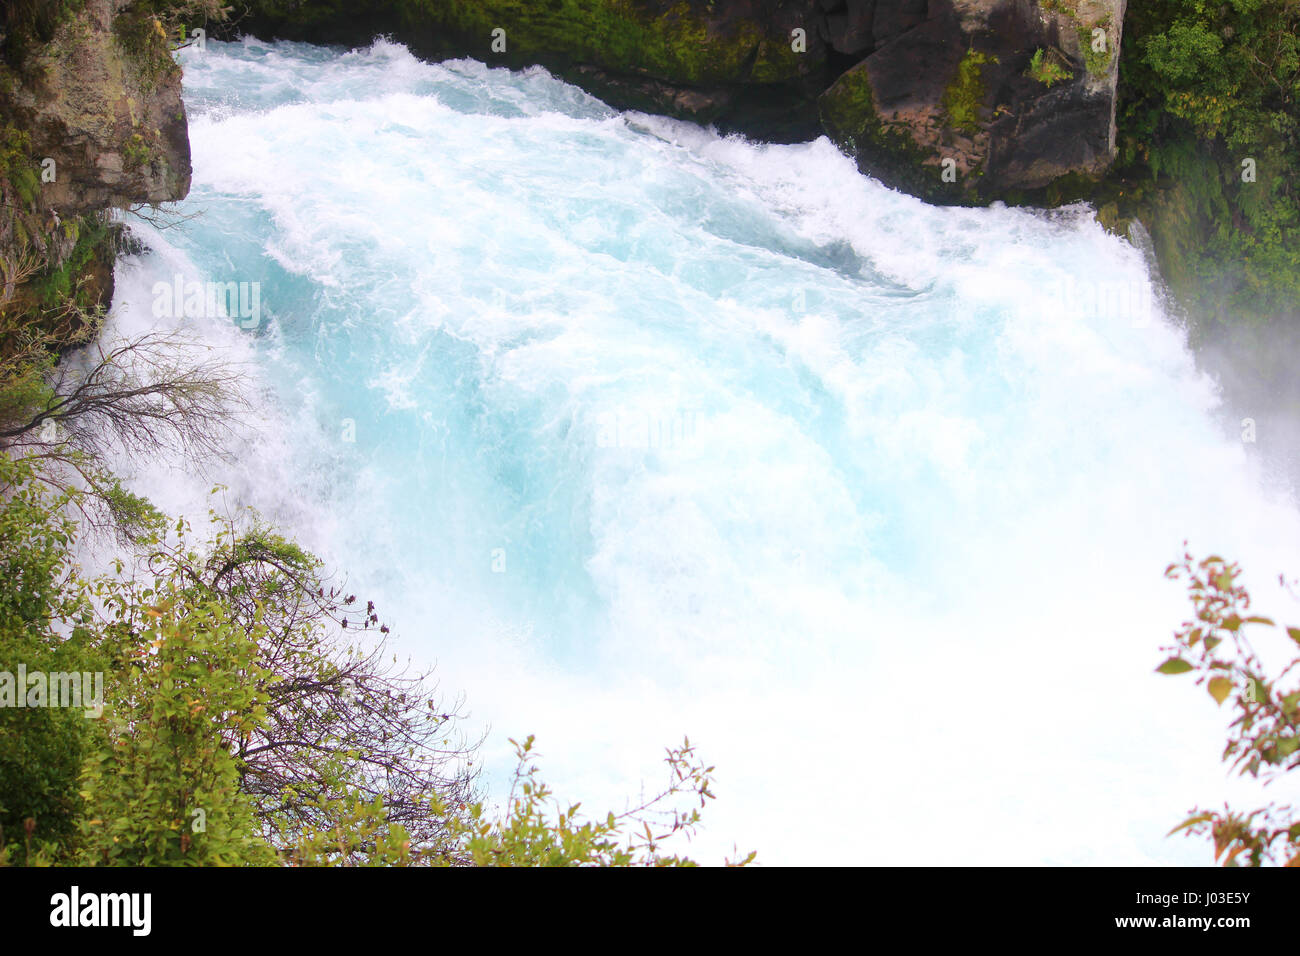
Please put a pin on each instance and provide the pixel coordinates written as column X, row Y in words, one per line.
column 661, row 433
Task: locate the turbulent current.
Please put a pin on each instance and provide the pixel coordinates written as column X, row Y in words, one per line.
column 637, row 431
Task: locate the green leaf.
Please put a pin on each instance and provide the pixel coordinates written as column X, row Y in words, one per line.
column 1175, row 665
column 1294, row 633
column 1219, row 688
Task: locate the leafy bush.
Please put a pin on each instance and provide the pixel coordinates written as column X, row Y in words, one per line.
column 1264, row 739
column 40, row 748
column 247, row 719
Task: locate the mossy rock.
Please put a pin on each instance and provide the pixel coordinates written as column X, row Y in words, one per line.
column 679, row 43
column 965, row 94
column 146, row 46
column 884, row 150
column 85, row 275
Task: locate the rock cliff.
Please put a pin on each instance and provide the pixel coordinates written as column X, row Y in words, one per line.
column 963, row 99
column 957, row 100
column 90, row 118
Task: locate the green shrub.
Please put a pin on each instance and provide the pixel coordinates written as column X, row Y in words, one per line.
column 1205, row 87
column 1044, row 68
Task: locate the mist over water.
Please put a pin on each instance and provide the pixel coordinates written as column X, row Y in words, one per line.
column 637, row 431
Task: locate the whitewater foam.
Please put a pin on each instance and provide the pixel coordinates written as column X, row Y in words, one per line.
column 640, row 431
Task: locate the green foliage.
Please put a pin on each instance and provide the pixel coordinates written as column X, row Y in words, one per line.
column 1044, row 68
column 59, row 284
column 40, row 748
column 24, row 391
column 134, row 516
column 149, row 30
column 964, row 96
column 345, row 727
column 158, row 778
column 539, row 831
column 146, row 42
column 1229, row 70
column 1204, row 87
column 136, row 152
column 164, row 788
column 1264, row 738
column 357, row 834
column 212, row 656
column 1097, row 62
column 672, row 41
column 16, row 164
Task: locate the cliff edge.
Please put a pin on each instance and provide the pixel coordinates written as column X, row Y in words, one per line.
column 91, row 118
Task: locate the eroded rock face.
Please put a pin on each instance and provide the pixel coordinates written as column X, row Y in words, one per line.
column 941, row 97
column 983, row 97
column 913, row 89
column 111, row 117
column 92, row 118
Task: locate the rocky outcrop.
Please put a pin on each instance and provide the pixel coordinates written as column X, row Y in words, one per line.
column 729, row 62
column 982, row 97
column 958, row 100
column 90, row 101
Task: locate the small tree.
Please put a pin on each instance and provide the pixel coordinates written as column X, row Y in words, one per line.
column 235, row 720
column 1264, row 739
column 158, row 391
column 344, row 722
column 66, row 398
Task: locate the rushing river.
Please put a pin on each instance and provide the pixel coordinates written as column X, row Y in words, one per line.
column 637, row 431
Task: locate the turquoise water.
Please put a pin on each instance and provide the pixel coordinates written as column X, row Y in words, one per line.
column 637, row 431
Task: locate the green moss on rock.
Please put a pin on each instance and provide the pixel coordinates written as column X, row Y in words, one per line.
column 677, row 44
column 965, row 93
column 848, row 108
column 145, row 43
column 16, row 164
column 57, row 285
column 848, row 112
